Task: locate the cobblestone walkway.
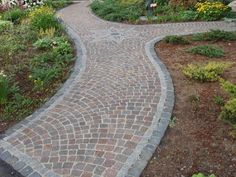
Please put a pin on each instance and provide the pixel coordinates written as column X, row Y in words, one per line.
column 105, row 123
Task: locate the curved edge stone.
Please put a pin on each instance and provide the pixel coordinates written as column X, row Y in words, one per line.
column 19, row 161
column 145, row 149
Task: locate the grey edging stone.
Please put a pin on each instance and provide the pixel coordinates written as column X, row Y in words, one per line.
column 152, row 138
column 22, row 163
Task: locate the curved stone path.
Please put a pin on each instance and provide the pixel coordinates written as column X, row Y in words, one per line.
column 113, row 114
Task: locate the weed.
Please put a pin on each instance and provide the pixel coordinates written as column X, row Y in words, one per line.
column 218, row 100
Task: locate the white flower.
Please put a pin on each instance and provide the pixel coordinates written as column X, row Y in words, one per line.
column 2, row 74
column 153, row 5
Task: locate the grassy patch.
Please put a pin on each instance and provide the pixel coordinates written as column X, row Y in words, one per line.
column 207, row 50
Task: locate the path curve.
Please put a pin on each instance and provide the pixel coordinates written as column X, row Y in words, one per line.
column 114, row 112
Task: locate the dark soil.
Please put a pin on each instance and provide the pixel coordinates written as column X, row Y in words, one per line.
column 199, row 141
column 7, row 171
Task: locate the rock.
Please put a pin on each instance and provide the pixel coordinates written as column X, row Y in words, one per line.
column 233, row 5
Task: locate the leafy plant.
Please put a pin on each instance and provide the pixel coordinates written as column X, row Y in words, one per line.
column 229, row 87
column 4, row 88
column 172, row 122
column 43, row 18
column 5, row 25
column 57, row 4
column 228, row 112
column 44, row 43
column 113, row 10
column 215, row 35
column 211, row 10
column 219, row 100
column 205, row 72
column 207, row 50
column 188, row 15
column 176, row 40
column 14, row 15
column 50, row 33
column 202, row 175
column 41, row 76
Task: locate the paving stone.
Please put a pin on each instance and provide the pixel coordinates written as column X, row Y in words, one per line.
column 114, row 109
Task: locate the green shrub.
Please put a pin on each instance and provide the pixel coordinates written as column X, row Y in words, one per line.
column 205, row 72
column 229, row 87
column 59, row 44
column 42, row 76
column 5, row 25
column 176, row 40
column 43, row 18
column 218, row 100
column 228, row 112
column 188, row 15
column 57, row 4
column 113, row 10
column 207, row 50
column 14, row 15
column 19, row 108
column 44, row 43
column 202, row 175
column 211, row 10
column 215, row 35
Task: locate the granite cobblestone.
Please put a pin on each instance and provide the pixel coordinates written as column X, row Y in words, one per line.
column 112, row 113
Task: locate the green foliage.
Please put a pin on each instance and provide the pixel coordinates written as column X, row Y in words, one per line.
column 207, row 50
column 5, row 25
column 41, row 76
column 113, row 10
column 215, row 35
column 44, row 43
column 228, row 112
column 210, row 10
column 43, row 18
column 58, row 4
column 18, row 108
column 202, row 175
column 229, row 87
column 4, row 88
column 172, row 122
column 59, row 44
column 176, row 40
column 218, row 100
column 206, row 72
column 188, row 15
column 14, row 15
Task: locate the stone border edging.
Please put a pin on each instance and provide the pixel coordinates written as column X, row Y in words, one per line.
column 21, row 162
column 146, row 147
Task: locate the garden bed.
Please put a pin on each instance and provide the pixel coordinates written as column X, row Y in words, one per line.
column 160, row 11
column 196, row 140
column 36, row 57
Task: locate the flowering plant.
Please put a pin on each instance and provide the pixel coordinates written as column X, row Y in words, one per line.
column 6, row 4
column 211, row 10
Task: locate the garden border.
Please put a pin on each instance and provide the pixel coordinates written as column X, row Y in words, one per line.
column 22, row 163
